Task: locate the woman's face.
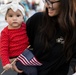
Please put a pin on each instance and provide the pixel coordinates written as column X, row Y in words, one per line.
column 53, row 7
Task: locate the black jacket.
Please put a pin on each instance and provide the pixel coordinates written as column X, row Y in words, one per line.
column 53, row 60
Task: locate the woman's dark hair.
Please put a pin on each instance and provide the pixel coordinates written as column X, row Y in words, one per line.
column 49, row 24
column 72, row 12
column 70, row 39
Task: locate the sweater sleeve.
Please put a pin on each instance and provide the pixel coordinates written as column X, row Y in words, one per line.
column 4, row 48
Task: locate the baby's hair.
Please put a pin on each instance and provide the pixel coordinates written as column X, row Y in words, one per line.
column 10, row 8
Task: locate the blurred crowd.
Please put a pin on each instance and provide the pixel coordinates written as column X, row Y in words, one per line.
column 32, row 7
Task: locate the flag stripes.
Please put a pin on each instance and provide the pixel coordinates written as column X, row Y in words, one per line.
column 32, row 62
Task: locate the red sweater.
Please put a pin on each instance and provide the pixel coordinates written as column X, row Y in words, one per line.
column 13, row 43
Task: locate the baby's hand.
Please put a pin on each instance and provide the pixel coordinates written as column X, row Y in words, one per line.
column 8, row 66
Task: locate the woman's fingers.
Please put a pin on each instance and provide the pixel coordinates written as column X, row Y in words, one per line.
column 16, row 69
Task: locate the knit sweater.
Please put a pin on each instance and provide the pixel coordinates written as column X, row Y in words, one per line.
column 13, row 43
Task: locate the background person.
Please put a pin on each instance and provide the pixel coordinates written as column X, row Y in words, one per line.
column 27, row 10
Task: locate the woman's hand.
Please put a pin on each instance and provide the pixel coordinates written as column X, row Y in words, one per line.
column 13, row 61
column 16, row 69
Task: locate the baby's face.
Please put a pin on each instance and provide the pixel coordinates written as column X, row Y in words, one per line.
column 14, row 19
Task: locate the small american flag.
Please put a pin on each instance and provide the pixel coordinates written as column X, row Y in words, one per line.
column 28, row 59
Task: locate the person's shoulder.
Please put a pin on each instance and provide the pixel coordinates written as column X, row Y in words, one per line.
column 34, row 22
column 23, row 25
column 5, row 30
column 35, row 18
column 38, row 14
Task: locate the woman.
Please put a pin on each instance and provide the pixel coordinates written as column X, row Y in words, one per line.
column 52, row 38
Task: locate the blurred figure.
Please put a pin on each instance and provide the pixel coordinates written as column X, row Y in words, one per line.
column 40, row 7
column 24, row 3
column 28, row 9
column 33, row 5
